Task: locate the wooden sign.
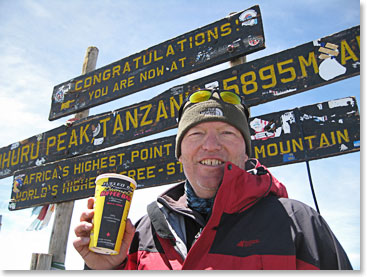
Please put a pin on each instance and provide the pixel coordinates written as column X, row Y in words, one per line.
column 151, row 163
column 236, row 35
column 310, row 65
column 306, row 133
column 312, row 132
column 159, row 113
column 94, row 133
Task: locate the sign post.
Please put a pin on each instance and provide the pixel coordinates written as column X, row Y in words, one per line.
column 64, row 210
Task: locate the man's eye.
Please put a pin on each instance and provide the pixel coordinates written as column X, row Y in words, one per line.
column 195, row 133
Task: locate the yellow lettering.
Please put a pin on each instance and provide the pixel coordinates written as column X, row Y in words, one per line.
column 130, row 118
column 332, row 137
column 155, row 56
column 150, row 172
column 260, row 151
column 150, row 59
column 73, row 139
column 290, row 70
column 60, row 141
column 275, row 147
column 174, row 106
column 346, row 48
column 77, row 85
column 213, row 34
column 324, row 141
column 55, row 175
column 182, row 60
column 118, row 125
column 130, row 81
column 143, row 121
column 161, row 111
column 296, row 145
column 170, row 50
column 201, row 37
column 34, row 156
column 282, row 151
column 88, row 82
column 115, row 87
column 311, row 60
column 251, row 82
column 98, row 78
column 104, row 162
column 340, row 136
column 171, row 169
column 83, row 133
column 104, row 121
column 51, row 141
column 225, row 29
column 126, row 68
column 112, row 161
column 65, row 171
column 181, row 42
column 173, row 66
column 116, row 71
column 309, row 138
column 6, row 159
column 12, row 157
column 231, row 87
column 134, row 154
column 270, row 76
column 136, row 60
column 106, row 74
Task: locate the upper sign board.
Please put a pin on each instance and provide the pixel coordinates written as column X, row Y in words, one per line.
column 236, row 35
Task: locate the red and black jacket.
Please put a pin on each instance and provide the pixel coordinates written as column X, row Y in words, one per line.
column 253, row 225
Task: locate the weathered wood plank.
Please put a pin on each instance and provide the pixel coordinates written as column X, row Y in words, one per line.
column 236, row 35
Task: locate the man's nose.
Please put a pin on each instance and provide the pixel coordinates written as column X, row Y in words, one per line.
column 211, row 142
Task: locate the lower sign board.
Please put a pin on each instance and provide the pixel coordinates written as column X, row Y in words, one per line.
column 311, row 132
column 306, row 133
column 285, row 73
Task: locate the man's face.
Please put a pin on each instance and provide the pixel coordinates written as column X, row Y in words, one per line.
column 205, row 149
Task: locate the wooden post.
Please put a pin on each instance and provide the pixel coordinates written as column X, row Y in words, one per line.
column 238, row 61
column 41, row 261
column 64, row 211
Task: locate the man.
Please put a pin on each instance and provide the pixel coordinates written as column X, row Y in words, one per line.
column 231, row 213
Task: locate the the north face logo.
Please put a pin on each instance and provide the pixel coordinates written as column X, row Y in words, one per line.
column 212, row 111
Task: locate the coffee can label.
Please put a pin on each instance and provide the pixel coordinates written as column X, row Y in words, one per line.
column 113, row 199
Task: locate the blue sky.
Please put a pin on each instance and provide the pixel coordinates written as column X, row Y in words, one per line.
column 43, row 43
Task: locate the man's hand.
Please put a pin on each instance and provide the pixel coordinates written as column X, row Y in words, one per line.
column 81, row 243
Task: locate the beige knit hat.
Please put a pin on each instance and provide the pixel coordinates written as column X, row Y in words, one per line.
column 213, row 110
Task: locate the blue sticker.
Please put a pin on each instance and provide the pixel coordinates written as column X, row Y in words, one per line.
column 288, row 157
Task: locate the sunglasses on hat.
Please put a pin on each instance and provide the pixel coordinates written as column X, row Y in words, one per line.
column 205, row 95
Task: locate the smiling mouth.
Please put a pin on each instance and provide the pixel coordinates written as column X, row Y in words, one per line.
column 211, row 162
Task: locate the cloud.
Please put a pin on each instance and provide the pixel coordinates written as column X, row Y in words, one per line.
column 25, row 96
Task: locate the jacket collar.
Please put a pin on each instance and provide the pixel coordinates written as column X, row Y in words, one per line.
column 240, row 189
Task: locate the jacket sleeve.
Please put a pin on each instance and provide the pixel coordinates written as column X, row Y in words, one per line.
column 315, row 243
